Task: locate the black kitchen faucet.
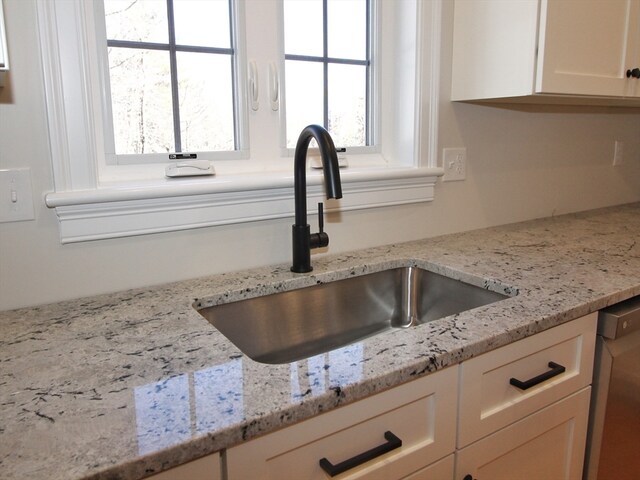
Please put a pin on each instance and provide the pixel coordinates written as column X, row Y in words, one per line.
column 303, row 239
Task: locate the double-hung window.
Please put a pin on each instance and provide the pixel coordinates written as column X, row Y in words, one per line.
column 132, row 85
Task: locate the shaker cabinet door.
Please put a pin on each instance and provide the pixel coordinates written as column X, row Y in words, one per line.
column 547, row 444
column 586, row 47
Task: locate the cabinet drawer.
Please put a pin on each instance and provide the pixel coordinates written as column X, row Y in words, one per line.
column 488, row 401
column 205, row 468
column 422, row 413
column 548, row 444
column 442, row 469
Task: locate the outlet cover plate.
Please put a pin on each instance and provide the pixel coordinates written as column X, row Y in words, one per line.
column 16, row 195
column 454, row 162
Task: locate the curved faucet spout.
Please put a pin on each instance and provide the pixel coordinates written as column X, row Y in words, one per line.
column 303, row 241
column 329, row 167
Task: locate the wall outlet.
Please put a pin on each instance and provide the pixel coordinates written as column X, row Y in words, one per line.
column 618, row 153
column 454, row 161
column 16, row 196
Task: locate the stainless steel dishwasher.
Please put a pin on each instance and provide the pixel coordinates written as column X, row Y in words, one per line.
column 613, row 440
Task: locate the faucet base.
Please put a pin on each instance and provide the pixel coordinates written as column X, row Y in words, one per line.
column 301, row 235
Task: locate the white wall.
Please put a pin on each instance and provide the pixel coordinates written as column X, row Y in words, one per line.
column 522, row 164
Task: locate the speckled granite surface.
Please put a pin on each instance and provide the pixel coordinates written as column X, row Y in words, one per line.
column 125, row 385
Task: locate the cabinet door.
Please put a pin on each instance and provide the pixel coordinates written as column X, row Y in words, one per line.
column 546, row 445
column 494, row 49
column 586, row 47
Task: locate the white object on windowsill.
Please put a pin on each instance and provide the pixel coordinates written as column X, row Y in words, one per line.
column 315, row 160
column 190, row 169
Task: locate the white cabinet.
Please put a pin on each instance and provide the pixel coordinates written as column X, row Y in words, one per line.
column 519, row 411
column 421, row 413
column 442, row 469
column 547, row 51
column 548, row 444
column 587, row 46
column 524, row 407
column 488, row 400
column 204, row 468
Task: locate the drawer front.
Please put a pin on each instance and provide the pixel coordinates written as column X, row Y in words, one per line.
column 548, row 444
column 205, row 468
column 441, row 470
column 421, row 413
column 488, row 399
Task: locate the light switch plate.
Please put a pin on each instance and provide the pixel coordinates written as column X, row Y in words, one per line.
column 16, row 195
column 454, row 162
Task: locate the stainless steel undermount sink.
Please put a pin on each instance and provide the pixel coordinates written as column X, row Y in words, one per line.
column 289, row 326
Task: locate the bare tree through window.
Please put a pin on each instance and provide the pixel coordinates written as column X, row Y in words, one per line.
column 170, row 78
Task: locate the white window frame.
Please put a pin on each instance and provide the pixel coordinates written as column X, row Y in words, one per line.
column 372, row 132
column 95, row 202
column 102, row 63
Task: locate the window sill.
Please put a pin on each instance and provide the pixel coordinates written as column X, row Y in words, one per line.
column 128, row 209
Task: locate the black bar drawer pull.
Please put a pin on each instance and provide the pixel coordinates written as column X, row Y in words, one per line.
column 556, row 369
column 393, row 442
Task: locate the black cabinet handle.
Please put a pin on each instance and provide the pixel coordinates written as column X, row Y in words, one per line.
column 393, row 442
column 556, row 369
column 635, row 73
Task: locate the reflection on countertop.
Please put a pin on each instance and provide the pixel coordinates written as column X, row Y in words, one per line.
column 175, row 409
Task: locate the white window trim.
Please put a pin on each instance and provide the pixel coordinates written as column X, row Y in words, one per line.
column 4, row 53
column 88, row 209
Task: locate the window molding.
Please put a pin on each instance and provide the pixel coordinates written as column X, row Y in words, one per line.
column 116, row 212
column 67, row 85
column 89, row 210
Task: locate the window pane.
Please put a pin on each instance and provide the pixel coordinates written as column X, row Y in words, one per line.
column 304, row 85
column 206, row 106
column 347, row 104
column 303, row 27
column 205, row 24
column 141, row 101
column 136, row 20
column 347, row 29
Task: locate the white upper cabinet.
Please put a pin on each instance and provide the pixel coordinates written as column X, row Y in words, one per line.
column 547, row 51
column 587, row 46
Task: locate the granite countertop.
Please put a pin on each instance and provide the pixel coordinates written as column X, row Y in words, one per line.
column 128, row 384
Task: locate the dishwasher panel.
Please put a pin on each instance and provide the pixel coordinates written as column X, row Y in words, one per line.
column 614, row 427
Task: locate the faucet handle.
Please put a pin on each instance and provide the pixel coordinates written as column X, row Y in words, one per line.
column 320, row 239
column 321, row 217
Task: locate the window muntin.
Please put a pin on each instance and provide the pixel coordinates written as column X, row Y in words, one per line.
column 172, row 76
column 328, row 69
